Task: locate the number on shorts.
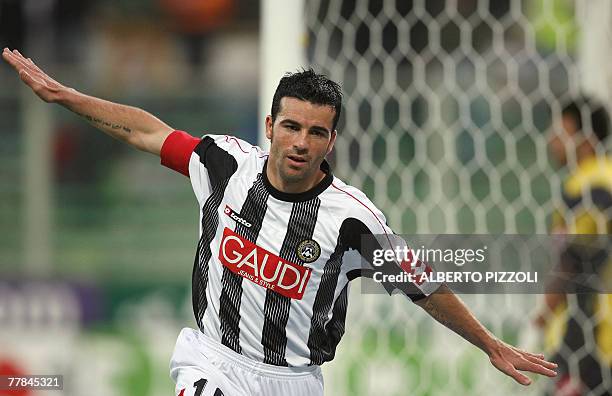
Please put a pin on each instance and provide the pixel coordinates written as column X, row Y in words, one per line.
column 200, row 384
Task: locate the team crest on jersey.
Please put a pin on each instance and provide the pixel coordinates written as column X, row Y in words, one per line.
column 236, row 217
column 308, row 250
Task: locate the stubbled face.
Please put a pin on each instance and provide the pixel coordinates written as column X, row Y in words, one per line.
column 562, row 140
column 301, row 137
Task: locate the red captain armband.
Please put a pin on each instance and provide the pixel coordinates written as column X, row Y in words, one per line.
column 176, row 151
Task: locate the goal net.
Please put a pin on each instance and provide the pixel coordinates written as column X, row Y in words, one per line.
column 446, row 109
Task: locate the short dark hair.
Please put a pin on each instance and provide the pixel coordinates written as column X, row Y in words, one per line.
column 600, row 121
column 311, row 87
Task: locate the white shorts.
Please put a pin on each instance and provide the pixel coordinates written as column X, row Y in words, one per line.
column 203, row 367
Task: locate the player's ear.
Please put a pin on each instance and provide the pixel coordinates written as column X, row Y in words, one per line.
column 330, row 145
column 269, row 123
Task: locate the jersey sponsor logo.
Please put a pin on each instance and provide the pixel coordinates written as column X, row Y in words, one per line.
column 262, row 267
column 236, row 217
column 308, row 250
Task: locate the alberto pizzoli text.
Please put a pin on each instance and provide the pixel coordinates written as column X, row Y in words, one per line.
column 458, row 277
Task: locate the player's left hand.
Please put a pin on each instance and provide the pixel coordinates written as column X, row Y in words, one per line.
column 41, row 83
column 509, row 360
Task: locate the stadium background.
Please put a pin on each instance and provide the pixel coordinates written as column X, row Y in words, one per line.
column 446, row 108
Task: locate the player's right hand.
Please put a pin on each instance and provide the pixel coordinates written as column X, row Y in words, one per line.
column 44, row 86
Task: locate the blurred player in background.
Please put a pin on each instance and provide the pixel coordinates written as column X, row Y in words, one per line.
column 280, row 241
column 579, row 322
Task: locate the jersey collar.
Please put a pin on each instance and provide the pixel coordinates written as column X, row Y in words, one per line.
column 303, row 196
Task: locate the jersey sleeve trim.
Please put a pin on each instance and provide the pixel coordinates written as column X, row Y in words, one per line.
column 367, row 207
column 414, row 291
column 229, row 138
column 176, row 151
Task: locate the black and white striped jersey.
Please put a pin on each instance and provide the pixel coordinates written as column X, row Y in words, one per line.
column 272, row 269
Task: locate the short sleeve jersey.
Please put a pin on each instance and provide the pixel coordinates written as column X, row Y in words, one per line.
column 587, row 199
column 586, row 209
column 272, row 269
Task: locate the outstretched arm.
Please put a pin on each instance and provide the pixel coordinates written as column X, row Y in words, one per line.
column 129, row 124
column 444, row 306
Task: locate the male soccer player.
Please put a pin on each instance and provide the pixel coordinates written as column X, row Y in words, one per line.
column 584, row 349
column 279, row 243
